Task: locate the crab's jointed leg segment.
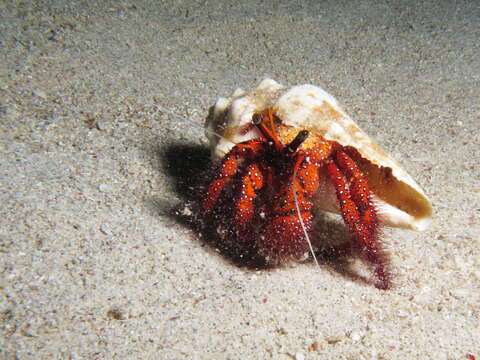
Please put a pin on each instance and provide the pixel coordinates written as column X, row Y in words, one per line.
column 228, row 168
column 284, row 235
column 244, row 208
column 358, row 212
column 360, row 191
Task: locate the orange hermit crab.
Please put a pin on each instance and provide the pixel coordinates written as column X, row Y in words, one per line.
column 287, row 152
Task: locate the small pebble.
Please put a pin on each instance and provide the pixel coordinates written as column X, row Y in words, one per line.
column 103, row 187
column 299, row 356
column 356, row 336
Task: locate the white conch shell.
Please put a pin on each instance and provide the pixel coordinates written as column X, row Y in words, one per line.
column 399, row 199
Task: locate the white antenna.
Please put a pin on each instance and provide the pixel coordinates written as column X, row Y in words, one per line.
column 301, row 220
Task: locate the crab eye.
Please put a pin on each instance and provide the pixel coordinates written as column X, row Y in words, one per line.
column 257, row 119
column 299, row 139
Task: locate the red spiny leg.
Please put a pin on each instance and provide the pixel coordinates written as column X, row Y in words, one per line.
column 284, row 237
column 307, row 180
column 358, row 212
column 227, row 169
column 359, row 189
column 244, row 208
column 309, row 177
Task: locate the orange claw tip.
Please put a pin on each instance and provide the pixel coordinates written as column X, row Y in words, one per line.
column 399, row 199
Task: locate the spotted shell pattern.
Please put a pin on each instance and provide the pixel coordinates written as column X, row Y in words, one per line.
column 399, row 199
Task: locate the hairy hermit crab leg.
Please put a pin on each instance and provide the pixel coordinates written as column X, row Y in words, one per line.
column 227, row 170
column 359, row 213
column 292, row 148
column 297, row 207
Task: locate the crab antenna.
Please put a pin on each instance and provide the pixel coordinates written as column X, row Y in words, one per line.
column 259, row 121
column 299, row 139
column 161, row 108
column 300, row 217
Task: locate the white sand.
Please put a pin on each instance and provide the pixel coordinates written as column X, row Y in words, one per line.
column 92, row 266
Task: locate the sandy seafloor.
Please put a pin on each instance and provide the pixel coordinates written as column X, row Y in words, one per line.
column 93, row 265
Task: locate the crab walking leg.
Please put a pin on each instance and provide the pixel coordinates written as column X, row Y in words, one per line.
column 359, row 189
column 284, row 234
column 362, row 195
column 227, row 169
column 307, row 180
column 359, row 216
column 244, row 208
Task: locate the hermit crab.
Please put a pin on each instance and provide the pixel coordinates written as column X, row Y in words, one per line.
column 282, row 155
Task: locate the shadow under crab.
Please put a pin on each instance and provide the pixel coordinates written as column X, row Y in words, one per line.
column 191, row 176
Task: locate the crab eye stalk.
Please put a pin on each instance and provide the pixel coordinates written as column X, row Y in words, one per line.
column 299, row 139
column 257, row 119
